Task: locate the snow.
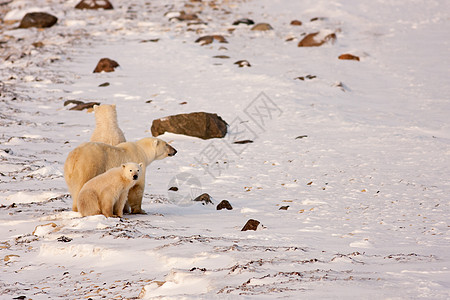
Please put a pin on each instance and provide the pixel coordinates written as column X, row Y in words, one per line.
column 359, row 153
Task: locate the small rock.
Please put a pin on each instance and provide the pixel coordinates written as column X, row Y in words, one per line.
column 224, row 204
column 284, row 207
column 104, row 84
column 301, row 137
column 342, row 86
column 106, row 65
column 64, row 239
column 76, row 102
column 243, row 21
column 82, row 106
column 348, row 56
column 262, row 27
column 173, row 188
column 305, row 77
column 296, row 23
column 208, row 39
column 311, row 40
column 250, row 225
column 204, row 198
column 317, row 19
column 38, row 44
column 183, row 16
column 150, row 41
column 94, row 4
column 221, row 56
column 243, row 63
column 38, row 20
column 199, row 124
column 243, row 142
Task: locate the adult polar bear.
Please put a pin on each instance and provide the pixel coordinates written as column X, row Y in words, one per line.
column 91, row 159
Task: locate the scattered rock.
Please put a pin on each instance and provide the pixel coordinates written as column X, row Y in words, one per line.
column 224, row 204
column 64, row 239
column 305, row 77
column 301, row 137
column 94, row 4
column 106, row 65
column 38, row 20
column 250, row 225
column 104, row 84
column 243, row 21
column 80, row 105
column 183, row 103
column 296, row 23
column 243, row 142
column 208, row 39
column 183, row 16
column 311, row 40
column 150, row 41
column 284, row 207
column 9, row 257
column 221, row 56
column 243, row 63
column 38, row 44
column 262, row 27
column 348, row 56
column 173, row 188
column 204, row 198
column 342, row 86
column 199, row 124
column 317, row 19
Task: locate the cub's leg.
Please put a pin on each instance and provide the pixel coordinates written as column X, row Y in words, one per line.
column 88, row 203
column 135, row 199
column 119, row 205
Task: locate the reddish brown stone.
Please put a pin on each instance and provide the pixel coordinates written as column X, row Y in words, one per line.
column 38, row 20
column 348, row 56
column 208, row 39
column 199, row 124
column 310, row 40
column 251, row 225
column 296, row 23
column 262, row 27
column 106, row 65
column 94, row 4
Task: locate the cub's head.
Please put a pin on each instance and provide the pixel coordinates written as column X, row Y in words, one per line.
column 132, row 170
column 105, row 110
column 158, row 147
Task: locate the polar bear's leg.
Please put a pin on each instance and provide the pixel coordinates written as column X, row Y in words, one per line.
column 107, row 206
column 135, row 199
column 119, row 205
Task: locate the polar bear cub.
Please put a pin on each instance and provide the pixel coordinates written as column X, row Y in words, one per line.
column 107, row 193
column 106, row 126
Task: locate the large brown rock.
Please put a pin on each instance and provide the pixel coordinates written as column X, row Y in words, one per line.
column 199, row 124
column 106, row 65
column 94, row 4
column 312, row 40
column 38, row 20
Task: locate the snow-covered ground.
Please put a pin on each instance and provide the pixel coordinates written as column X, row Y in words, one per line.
column 367, row 188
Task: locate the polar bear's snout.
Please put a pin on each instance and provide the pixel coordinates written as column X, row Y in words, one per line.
column 135, row 177
column 172, row 151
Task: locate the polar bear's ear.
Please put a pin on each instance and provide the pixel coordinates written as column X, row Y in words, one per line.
column 123, row 166
column 113, row 106
column 141, row 165
column 155, row 142
column 95, row 107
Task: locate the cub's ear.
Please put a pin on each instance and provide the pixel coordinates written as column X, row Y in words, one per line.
column 156, row 142
column 113, row 106
column 95, row 107
column 141, row 165
column 123, row 166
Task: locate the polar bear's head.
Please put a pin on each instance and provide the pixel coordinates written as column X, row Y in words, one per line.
column 132, row 171
column 156, row 148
